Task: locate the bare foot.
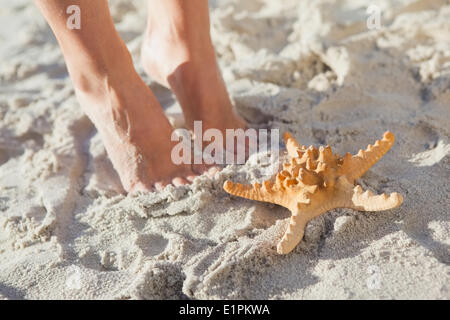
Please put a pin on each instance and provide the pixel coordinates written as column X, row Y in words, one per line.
column 181, row 57
column 134, row 129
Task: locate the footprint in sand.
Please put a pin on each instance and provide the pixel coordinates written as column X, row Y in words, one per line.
column 152, row 244
column 431, row 157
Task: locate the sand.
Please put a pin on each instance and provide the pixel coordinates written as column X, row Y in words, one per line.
column 310, row 67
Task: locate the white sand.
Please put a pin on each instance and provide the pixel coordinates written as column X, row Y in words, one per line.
column 311, row 68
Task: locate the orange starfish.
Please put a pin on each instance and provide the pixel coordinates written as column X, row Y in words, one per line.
column 315, row 181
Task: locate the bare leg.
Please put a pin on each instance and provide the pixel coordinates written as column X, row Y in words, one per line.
column 133, row 126
column 178, row 52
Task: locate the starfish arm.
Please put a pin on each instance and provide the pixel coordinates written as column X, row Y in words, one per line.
column 292, row 145
column 356, row 198
column 355, row 166
column 264, row 193
column 294, row 233
column 367, row 201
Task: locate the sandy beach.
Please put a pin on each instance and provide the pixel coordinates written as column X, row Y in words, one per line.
column 313, row 68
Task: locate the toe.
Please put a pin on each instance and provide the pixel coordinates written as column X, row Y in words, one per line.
column 191, row 178
column 178, row 181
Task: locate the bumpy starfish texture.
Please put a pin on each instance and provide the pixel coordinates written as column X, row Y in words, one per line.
column 315, row 181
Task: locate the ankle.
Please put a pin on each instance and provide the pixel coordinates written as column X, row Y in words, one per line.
column 91, row 74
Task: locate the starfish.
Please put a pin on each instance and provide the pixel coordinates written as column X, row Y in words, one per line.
column 315, row 181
